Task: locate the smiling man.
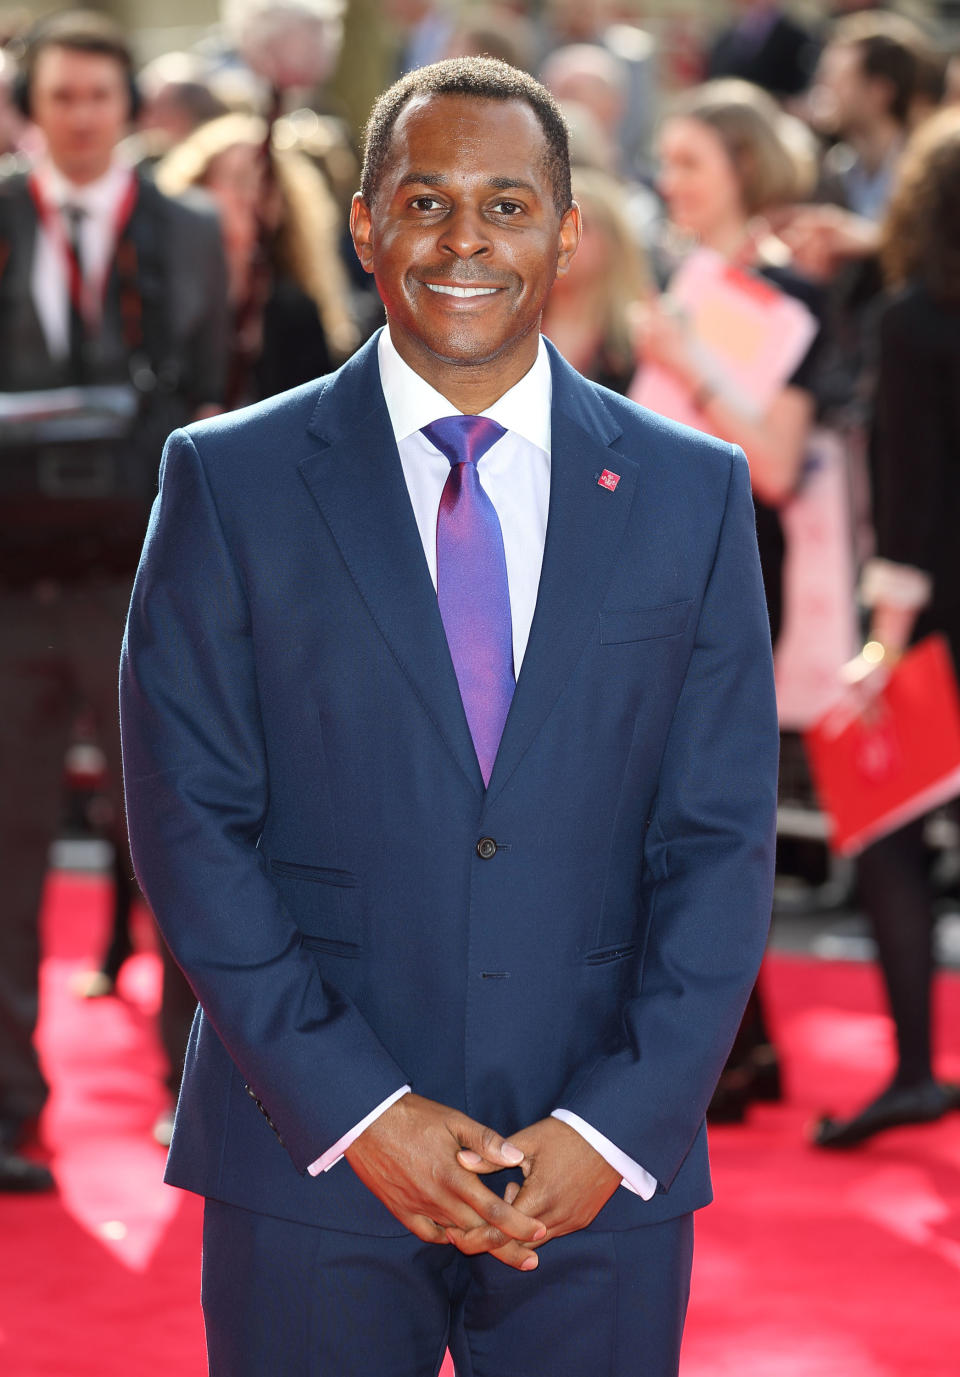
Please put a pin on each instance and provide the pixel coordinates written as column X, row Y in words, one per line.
column 450, row 753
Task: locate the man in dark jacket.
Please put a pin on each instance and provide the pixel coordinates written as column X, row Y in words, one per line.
column 112, row 329
column 426, row 901
column 767, row 47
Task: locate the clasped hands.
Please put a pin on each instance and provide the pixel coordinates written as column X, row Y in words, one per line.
column 425, row 1160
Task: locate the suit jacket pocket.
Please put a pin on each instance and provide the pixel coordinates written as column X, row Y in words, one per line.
column 325, row 904
column 606, row 956
column 644, row 623
column 330, row 947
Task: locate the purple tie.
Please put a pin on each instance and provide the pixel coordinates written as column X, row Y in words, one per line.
column 472, row 582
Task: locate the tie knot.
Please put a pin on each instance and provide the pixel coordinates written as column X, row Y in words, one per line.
column 463, row 439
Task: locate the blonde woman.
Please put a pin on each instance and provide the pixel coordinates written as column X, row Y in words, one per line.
column 727, row 156
column 588, row 311
column 281, row 230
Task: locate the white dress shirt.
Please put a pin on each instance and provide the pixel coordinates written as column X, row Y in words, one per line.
column 100, row 202
column 515, row 475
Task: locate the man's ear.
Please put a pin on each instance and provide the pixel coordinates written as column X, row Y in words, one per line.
column 571, row 228
column 361, row 230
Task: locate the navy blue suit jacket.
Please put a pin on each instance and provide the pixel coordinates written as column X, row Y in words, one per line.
column 305, row 802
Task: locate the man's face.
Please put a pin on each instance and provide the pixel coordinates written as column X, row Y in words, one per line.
column 81, row 102
column 845, row 100
column 463, row 237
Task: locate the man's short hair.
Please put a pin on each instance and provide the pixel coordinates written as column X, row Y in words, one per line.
column 84, row 31
column 891, row 47
column 80, row 31
column 483, row 78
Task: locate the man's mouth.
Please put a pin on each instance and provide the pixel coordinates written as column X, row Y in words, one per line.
column 461, row 291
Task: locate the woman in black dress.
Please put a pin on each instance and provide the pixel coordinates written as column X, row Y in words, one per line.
column 912, row 587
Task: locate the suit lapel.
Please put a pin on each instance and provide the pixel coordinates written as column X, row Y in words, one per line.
column 585, row 526
column 356, row 479
column 23, row 247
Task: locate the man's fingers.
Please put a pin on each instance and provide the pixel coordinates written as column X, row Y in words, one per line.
column 532, row 1198
column 477, row 1164
column 482, row 1142
column 409, row 1158
column 425, row 1229
column 483, row 1239
column 466, row 1204
column 486, row 1240
column 514, row 1223
column 512, row 1191
column 474, row 1162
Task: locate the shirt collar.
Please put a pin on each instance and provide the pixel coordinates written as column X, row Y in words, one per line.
column 99, row 198
column 413, row 403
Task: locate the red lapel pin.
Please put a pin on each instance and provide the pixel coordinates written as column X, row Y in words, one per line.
column 608, row 480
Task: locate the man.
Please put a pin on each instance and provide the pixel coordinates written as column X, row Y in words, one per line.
column 765, row 46
column 116, row 294
column 864, row 92
column 422, row 910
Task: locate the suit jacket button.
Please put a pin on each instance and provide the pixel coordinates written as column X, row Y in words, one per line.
column 486, row 848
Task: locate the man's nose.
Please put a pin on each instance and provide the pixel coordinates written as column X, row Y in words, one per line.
column 464, row 233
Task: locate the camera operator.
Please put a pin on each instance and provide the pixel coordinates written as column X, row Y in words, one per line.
column 112, row 332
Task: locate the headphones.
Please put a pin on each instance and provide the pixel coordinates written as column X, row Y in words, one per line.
column 83, row 31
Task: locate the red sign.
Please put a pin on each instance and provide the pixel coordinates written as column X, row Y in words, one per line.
column 608, row 480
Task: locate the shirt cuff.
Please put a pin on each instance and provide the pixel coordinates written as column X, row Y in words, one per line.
column 333, row 1155
column 899, row 585
column 633, row 1175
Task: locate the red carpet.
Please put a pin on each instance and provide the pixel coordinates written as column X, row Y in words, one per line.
column 809, row 1265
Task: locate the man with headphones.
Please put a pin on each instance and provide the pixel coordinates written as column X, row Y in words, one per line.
column 113, row 330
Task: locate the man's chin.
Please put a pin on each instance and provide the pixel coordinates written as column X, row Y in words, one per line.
column 465, row 350
column 81, row 168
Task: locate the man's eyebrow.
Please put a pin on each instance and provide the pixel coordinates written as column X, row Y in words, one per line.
column 511, row 184
column 440, row 179
column 424, row 179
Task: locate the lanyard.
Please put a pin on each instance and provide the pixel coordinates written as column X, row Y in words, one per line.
column 87, row 297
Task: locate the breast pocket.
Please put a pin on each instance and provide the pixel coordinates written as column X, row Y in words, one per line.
column 645, row 623
column 324, row 903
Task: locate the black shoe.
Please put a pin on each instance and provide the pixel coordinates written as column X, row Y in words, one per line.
column 21, row 1175
column 766, row 1083
column 731, row 1099
column 915, row 1104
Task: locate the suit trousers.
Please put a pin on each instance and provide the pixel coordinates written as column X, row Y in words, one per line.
column 297, row 1301
column 59, row 650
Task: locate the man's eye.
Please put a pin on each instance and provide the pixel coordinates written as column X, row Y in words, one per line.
column 508, row 208
column 425, row 203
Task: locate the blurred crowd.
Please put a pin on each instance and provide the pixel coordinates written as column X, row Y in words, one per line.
column 771, row 252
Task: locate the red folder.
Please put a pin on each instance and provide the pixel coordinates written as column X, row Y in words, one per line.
column 879, row 771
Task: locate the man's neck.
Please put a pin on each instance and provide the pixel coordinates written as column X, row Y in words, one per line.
column 875, row 146
column 81, row 177
column 470, row 387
